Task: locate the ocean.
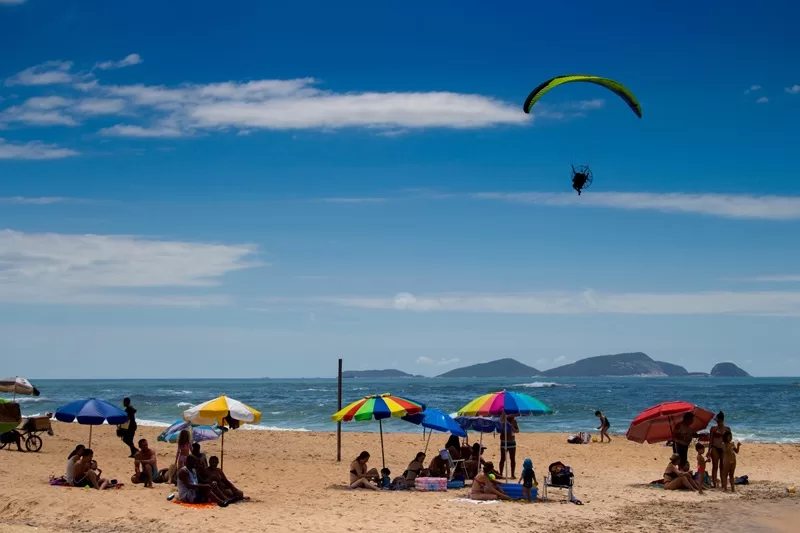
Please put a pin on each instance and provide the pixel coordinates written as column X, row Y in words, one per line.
column 757, row 409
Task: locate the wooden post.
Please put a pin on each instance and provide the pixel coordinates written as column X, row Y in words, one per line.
column 339, row 424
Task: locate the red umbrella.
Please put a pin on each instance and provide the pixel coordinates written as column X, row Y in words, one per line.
column 656, row 423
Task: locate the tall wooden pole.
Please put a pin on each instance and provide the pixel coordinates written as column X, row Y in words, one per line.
column 339, row 424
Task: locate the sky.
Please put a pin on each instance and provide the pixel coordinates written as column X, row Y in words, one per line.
column 191, row 189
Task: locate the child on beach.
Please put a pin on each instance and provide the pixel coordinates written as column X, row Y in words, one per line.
column 729, row 461
column 386, row 478
column 701, row 475
column 528, row 480
column 604, row 425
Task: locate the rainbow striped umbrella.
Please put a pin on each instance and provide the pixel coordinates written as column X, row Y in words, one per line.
column 379, row 407
column 510, row 403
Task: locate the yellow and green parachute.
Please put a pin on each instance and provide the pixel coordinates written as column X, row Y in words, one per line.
column 619, row 89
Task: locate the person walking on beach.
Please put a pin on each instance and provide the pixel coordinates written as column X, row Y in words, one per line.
column 603, row 427
column 129, row 432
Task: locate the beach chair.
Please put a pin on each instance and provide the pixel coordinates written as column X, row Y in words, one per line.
column 453, row 464
column 559, row 477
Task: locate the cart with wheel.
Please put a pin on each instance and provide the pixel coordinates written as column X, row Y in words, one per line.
column 30, row 433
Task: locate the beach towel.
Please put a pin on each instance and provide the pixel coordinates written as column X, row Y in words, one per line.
column 477, row 502
column 194, row 505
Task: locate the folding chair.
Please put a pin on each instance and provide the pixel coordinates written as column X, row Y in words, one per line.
column 453, row 464
column 562, row 483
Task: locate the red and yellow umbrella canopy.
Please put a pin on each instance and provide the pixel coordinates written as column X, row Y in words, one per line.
column 378, row 407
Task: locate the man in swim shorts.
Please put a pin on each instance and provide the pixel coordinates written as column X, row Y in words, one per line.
column 145, row 465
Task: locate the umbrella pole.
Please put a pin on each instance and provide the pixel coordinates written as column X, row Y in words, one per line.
column 90, row 436
column 672, row 434
column 222, row 452
column 383, row 456
column 429, row 441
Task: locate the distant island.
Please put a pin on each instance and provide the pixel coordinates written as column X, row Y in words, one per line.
column 502, row 368
column 615, row 365
column 377, row 374
column 728, row 370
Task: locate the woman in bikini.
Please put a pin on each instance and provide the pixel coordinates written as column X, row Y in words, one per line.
column 360, row 477
column 484, row 488
column 675, row 478
column 717, row 446
column 416, row 468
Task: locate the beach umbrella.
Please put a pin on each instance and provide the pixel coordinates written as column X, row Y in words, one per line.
column 18, row 385
column 510, row 403
column 221, row 411
column 505, row 402
column 379, row 407
column 480, row 424
column 436, row 420
column 199, row 433
column 91, row 412
column 657, row 423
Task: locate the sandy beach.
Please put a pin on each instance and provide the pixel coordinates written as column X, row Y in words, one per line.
column 296, row 485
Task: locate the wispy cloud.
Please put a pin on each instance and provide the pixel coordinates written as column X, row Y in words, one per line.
column 722, row 205
column 587, row 302
column 47, row 73
column 784, row 278
column 753, row 88
column 762, row 100
column 128, row 61
column 154, row 132
column 101, row 106
column 794, row 89
column 64, row 268
column 437, row 362
column 40, row 200
column 33, row 150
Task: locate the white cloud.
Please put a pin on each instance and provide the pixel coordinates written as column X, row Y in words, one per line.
column 559, row 359
column 39, row 111
column 587, row 302
column 437, row 362
column 567, row 109
column 155, row 132
column 794, row 89
column 128, row 61
column 101, row 106
column 63, row 268
column 41, row 200
column 753, row 88
column 722, row 205
column 33, row 150
column 762, row 100
column 47, row 102
column 47, row 73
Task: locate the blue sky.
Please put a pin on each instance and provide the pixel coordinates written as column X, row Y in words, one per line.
column 278, row 186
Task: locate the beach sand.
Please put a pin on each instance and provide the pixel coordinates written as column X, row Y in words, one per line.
column 297, row 485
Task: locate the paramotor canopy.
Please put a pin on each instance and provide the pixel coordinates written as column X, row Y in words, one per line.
column 619, row 89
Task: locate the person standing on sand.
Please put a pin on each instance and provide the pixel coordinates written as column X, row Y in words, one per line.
column 508, row 442
column 129, row 433
column 682, row 435
column 717, row 446
column 603, row 427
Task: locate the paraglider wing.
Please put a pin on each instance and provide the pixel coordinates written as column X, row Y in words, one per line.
column 619, row 89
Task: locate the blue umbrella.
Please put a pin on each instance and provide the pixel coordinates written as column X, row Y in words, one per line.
column 91, row 412
column 436, row 420
column 199, row 433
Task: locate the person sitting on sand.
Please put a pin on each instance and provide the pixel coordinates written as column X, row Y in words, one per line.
column 729, row 461
column 485, row 488
column 416, row 468
column 74, row 457
column 687, row 469
column 360, row 477
column 145, row 465
column 191, row 491
column 213, row 474
column 675, row 479
column 475, row 462
column 84, row 475
column 201, row 457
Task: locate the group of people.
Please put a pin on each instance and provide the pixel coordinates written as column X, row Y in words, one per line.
column 721, row 454
column 198, row 479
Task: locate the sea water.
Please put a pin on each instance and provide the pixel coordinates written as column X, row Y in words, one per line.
column 757, row 409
